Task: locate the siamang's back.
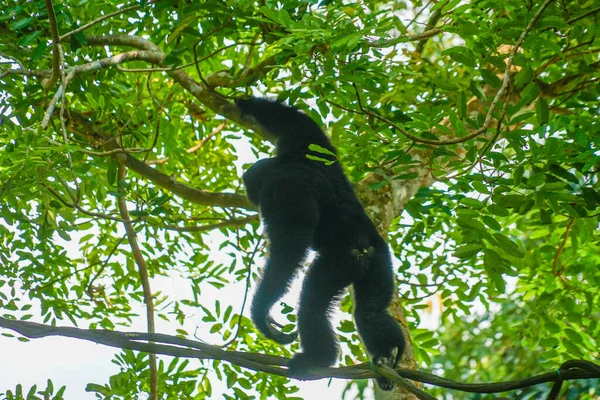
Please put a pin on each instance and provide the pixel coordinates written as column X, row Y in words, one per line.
column 343, row 220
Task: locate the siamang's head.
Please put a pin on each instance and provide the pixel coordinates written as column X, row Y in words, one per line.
column 278, row 119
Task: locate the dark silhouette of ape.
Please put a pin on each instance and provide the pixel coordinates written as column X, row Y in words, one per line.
column 306, row 203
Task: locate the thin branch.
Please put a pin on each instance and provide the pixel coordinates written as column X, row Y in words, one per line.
column 105, row 263
column 159, row 178
column 52, row 106
column 418, row 14
column 202, row 142
column 94, row 22
column 555, row 268
column 251, row 51
column 74, row 203
column 584, row 15
column 486, row 148
column 250, row 262
column 143, row 273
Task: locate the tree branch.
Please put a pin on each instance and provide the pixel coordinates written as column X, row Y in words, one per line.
column 143, row 273
column 161, row 179
column 94, row 22
column 158, row 343
column 48, row 83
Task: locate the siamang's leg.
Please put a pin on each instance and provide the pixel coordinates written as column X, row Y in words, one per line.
column 290, row 232
column 381, row 333
column 325, row 281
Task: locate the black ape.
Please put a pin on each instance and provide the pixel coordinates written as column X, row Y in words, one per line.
column 308, row 204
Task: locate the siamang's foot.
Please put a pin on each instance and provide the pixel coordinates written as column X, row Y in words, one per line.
column 300, row 365
column 391, row 361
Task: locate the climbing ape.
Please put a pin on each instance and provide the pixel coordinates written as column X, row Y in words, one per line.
column 307, row 203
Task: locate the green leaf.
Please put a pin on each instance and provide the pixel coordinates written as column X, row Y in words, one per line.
column 490, row 78
column 467, row 251
column 518, row 175
column 563, row 173
column 573, row 336
column 498, row 210
column 25, row 40
column 465, row 222
column 510, row 247
column 477, row 91
column 480, row 187
column 318, row 149
column 523, row 77
column 521, row 116
column 472, row 203
column 529, row 93
column 461, row 105
column 491, row 222
column 545, row 216
column 320, row 159
column 542, row 111
column 444, row 84
column 21, row 23
column 461, row 55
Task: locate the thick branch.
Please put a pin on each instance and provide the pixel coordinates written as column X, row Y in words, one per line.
column 186, row 192
column 159, row 178
column 180, row 347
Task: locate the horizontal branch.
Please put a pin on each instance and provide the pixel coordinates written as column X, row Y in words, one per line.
column 180, row 347
column 184, row 191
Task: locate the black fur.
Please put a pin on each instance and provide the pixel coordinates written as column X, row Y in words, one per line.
column 309, row 204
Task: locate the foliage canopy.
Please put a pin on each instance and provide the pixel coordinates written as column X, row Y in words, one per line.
column 479, row 120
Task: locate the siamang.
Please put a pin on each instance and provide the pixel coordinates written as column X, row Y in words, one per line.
column 307, row 202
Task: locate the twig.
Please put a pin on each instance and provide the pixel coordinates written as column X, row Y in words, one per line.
column 94, row 22
column 76, row 205
column 418, row 14
column 202, row 142
column 488, row 145
column 105, row 263
column 584, row 15
column 555, row 269
column 250, row 262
